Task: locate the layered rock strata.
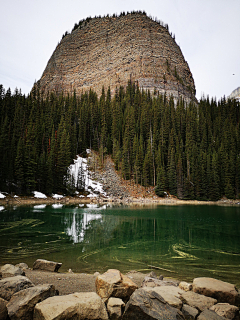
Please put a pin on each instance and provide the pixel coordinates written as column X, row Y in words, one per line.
column 111, row 50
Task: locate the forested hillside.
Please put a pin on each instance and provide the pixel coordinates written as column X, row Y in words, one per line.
column 191, row 151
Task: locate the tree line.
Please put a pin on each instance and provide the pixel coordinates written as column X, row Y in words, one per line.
column 191, row 151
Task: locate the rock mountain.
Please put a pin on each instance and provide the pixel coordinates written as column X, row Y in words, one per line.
column 110, row 51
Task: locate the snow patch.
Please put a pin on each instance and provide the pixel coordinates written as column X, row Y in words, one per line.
column 15, row 196
column 57, row 206
column 2, row 208
column 57, row 196
column 39, row 195
column 80, row 167
column 40, row 206
column 2, row 196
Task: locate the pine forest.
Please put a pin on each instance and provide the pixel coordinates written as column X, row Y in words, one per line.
column 190, row 150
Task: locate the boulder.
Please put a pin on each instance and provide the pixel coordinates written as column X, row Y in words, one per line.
column 198, row 301
column 144, row 304
column 114, row 284
column 154, row 282
column 3, row 309
column 225, row 310
column 170, row 294
column 41, row 264
column 9, row 270
column 22, row 265
column 185, row 286
column 189, row 313
column 11, row 285
column 209, row 315
column 22, row 303
column 220, row 290
column 115, row 307
column 79, row 305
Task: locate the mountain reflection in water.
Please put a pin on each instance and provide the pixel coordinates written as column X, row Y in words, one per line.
column 181, row 241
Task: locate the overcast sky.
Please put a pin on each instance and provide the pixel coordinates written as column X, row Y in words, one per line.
column 208, row 32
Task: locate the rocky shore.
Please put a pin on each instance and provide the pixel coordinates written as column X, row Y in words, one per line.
column 44, row 293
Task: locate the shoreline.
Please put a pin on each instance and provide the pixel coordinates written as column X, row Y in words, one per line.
column 131, row 201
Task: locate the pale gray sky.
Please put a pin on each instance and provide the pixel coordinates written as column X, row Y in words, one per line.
column 208, row 32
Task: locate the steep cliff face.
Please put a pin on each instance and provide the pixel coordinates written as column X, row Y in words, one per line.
column 109, row 51
column 235, row 94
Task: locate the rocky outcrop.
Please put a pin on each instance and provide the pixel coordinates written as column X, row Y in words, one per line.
column 220, row 290
column 79, row 305
column 145, row 304
column 11, row 285
column 9, row 270
column 22, row 303
column 46, row 265
column 235, row 94
column 109, row 51
column 114, row 284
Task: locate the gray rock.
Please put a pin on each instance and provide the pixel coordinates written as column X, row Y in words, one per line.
column 144, row 304
column 9, row 270
column 11, row 285
column 153, row 282
column 115, row 307
column 198, row 301
column 189, row 313
column 22, row 303
column 209, row 315
column 220, row 290
column 225, row 310
column 3, row 309
column 170, row 294
column 46, row 265
column 79, row 305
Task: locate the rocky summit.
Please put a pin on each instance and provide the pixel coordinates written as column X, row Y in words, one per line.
column 110, row 51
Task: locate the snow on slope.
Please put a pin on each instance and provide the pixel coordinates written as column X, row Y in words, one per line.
column 93, row 187
column 2, row 196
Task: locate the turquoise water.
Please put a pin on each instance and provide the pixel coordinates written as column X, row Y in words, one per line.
column 181, row 241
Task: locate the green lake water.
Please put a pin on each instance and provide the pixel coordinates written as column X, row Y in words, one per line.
column 184, row 241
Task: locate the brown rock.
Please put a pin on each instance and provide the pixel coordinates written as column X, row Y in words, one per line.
column 11, row 285
column 3, row 309
column 198, row 301
column 225, row 310
column 79, row 305
column 109, row 51
column 220, row 290
column 46, row 265
column 22, row 303
column 9, row 270
column 115, row 307
column 114, row 284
